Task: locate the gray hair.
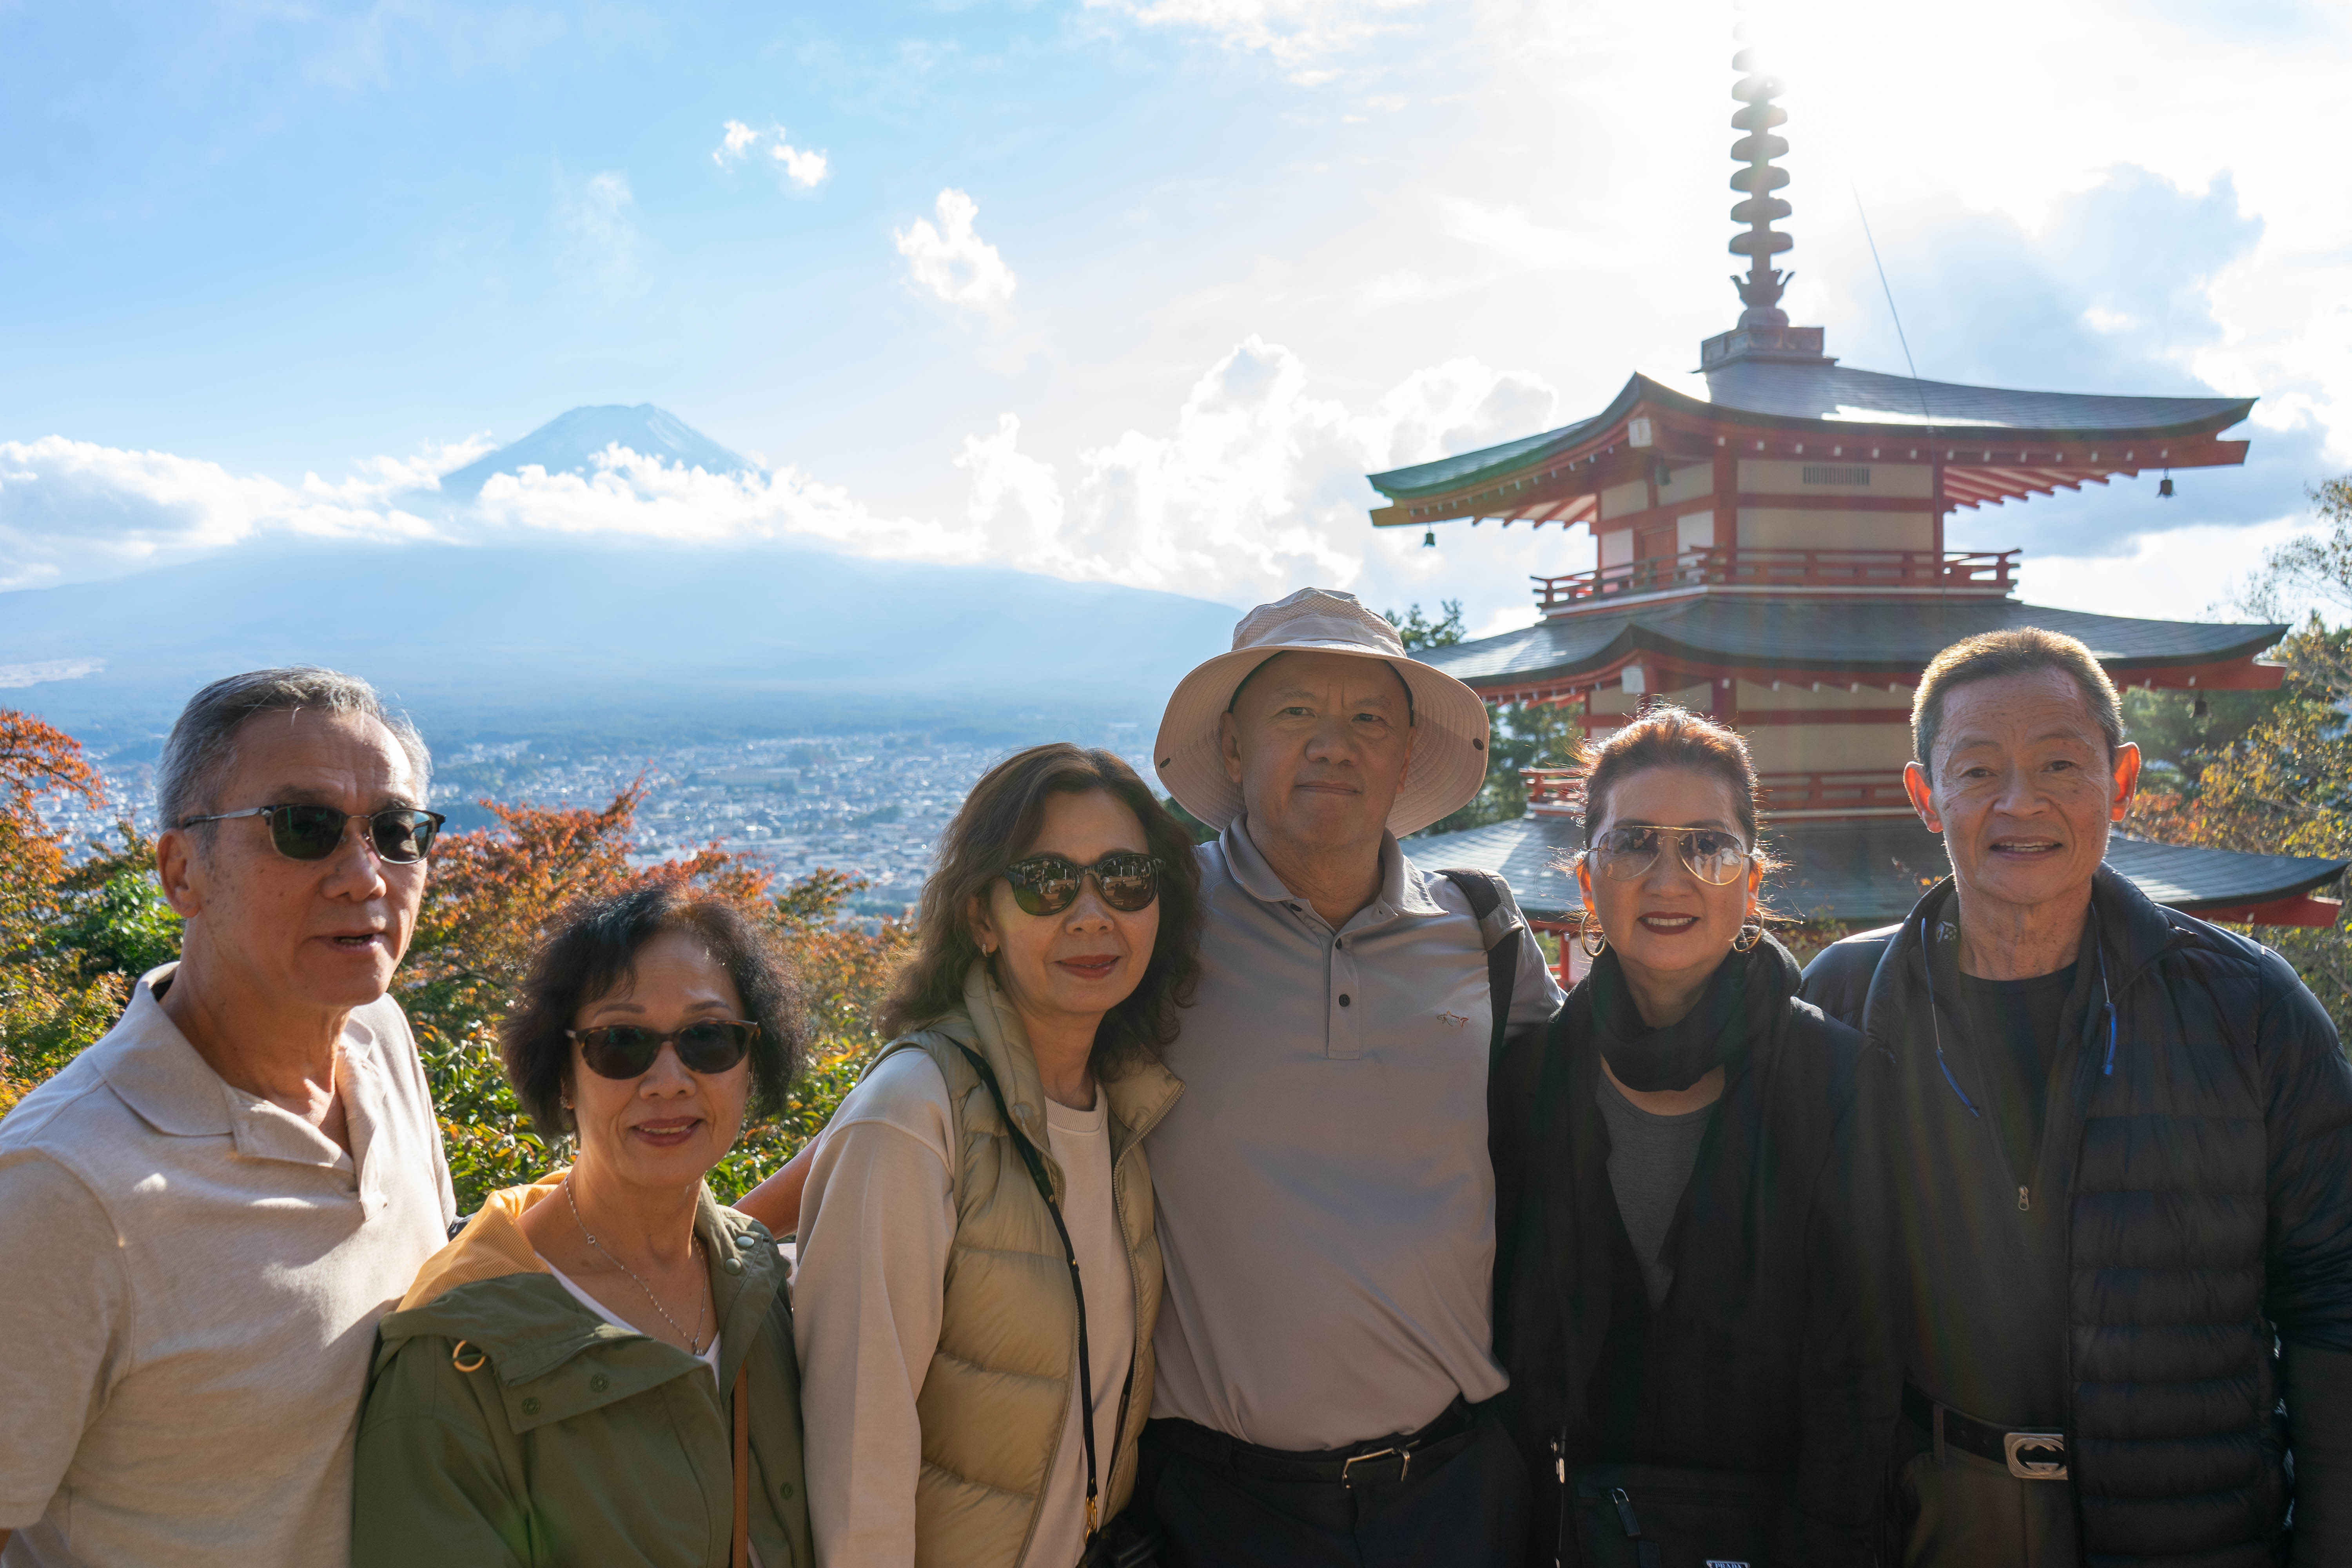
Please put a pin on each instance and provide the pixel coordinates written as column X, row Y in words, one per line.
column 1996, row 656
column 202, row 744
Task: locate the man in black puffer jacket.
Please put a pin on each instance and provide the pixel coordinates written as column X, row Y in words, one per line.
column 2118, row 1151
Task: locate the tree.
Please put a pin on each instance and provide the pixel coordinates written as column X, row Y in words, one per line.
column 2283, row 785
column 51, row 1003
column 74, row 937
column 1532, row 735
column 1416, row 631
column 491, row 896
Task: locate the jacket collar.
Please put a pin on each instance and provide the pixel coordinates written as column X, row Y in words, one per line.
column 2133, row 931
column 490, row 1287
column 1138, row 1097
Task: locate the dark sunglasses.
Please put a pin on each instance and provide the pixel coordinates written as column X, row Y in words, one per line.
column 1714, row 856
column 1048, row 884
column 626, row 1051
column 399, row 835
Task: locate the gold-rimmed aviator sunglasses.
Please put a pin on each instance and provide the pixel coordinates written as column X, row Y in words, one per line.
column 1629, row 850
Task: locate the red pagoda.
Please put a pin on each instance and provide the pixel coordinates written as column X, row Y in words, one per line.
column 1771, row 550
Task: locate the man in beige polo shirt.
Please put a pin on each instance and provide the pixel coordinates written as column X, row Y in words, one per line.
column 203, row 1215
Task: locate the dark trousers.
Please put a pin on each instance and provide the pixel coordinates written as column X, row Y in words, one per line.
column 1469, row 1510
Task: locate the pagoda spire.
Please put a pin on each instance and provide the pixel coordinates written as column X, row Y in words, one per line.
column 1758, row 114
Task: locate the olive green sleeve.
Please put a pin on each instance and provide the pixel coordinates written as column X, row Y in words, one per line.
column 432, row 1483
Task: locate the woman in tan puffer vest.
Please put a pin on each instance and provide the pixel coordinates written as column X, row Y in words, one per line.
column 979, row 1273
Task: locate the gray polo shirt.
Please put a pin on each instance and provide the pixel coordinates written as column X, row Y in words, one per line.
column 1325, row 1204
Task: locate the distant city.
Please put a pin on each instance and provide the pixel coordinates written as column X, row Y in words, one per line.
column 872, row 805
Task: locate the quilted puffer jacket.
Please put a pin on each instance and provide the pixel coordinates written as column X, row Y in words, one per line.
column 2206, row 1156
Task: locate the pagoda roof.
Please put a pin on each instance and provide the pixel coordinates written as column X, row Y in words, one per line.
column 1997, row 443
column 1872, row 870
column 1779, row 393
column 1857, row 638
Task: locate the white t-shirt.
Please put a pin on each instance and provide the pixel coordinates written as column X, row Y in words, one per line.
column 190, row 1293
column 707, row 1355
column 878, row 1220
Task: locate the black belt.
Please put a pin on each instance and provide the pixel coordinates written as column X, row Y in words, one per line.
column 1379, row 1459
column 2030, row 1453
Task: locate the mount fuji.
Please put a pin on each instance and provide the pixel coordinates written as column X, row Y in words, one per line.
column 572, row 442
column 626, row 637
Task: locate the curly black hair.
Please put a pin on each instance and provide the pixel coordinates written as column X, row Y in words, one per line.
column 591, row 949
column 998, row 822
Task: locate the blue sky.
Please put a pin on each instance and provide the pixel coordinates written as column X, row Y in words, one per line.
column 1134, row 288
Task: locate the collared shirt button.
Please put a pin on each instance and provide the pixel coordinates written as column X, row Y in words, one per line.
column 599, row 1384
column 530, row 1405
column 1343, row 999
column 733, row 1266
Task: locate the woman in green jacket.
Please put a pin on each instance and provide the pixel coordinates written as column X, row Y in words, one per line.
column 600, row 1369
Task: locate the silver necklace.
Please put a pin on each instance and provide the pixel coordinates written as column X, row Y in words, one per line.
column 702, row 1310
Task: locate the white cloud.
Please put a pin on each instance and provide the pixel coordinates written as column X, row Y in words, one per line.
column 1293, row 32
column 1257, row 489
column 952, row 263
column 603, row 230
column 736, row 141
column 805, row 170
column 1254, row 487
column 73, row 510
column 800, row 166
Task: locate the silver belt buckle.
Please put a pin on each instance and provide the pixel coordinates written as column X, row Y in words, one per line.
column 2028, row 1469
column 1405, row 1455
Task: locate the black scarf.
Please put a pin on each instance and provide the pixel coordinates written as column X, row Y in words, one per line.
column 1745, row 987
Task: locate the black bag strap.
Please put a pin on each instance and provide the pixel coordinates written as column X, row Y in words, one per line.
column 1036, row 1164
column 1500, row 932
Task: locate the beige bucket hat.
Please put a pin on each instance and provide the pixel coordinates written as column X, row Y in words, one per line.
column 1449, row 748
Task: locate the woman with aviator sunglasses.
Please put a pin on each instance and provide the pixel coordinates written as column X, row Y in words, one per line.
column 1685, row 1286
column 601, row 1367
column 979, row 1272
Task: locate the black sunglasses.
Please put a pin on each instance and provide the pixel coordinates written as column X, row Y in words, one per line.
column 399, row 835
column 1048, row 884
column 626, row 1050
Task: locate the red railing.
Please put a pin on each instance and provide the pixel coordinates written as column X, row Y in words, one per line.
column 1554, row 792
column 1876, row 791
column 1727, row 566
column 1559, row 791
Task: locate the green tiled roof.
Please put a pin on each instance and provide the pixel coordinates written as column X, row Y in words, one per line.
column 1782, row 393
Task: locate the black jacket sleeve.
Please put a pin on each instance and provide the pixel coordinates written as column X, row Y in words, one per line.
column 1838, row 979
column 2309, row 1287
column 1851, row 1379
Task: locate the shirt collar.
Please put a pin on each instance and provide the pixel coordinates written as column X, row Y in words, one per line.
column 1404, row 889
column 156, row 1072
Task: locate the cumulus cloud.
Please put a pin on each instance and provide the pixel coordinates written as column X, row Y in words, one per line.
column 735, row 140
column 73, row 510
column 954, row 263
column 800, row 166
column 1256, row 488
column 1252, row 487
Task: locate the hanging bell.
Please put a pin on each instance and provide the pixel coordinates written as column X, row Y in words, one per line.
column 1428, row 539
column 2164, row 488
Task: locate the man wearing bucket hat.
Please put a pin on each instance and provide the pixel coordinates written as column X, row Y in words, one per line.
column 1326, row 1203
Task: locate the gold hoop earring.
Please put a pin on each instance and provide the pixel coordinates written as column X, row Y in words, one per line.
column 1751, row 931
column 1590, row 937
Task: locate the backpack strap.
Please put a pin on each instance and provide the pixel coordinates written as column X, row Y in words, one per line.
column 1500, row 932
